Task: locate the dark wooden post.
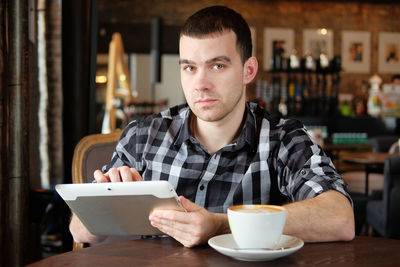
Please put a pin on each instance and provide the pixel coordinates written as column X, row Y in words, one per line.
column 17, row 155
column 3, row 130
column 79, row 70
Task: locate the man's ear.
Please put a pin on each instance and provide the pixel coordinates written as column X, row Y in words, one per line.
column 250, row 70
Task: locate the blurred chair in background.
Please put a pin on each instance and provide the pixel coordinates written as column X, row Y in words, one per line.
column 384, row 214
column 356, row 180
column 91, row 153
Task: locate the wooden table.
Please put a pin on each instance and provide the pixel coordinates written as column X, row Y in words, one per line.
column 369, row 159
column 348, row 147
column 363, row 251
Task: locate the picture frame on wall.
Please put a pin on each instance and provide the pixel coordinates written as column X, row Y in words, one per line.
column 277, row 42
column 316, row 41
column 356, row 51
column 389, row 52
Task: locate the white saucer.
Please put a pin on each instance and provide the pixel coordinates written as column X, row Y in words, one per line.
column 226, row 245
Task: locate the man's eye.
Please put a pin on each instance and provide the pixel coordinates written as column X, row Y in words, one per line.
column 188, row 68
column 218, row 66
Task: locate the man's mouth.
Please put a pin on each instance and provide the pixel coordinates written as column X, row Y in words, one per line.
column 205, row 101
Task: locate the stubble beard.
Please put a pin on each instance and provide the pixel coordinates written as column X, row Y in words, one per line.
column 220, row 112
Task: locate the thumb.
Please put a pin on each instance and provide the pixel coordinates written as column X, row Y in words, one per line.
column 188, row 205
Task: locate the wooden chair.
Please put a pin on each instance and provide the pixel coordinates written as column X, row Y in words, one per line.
column 384, row 214
column 91, row 153
column 356, row 180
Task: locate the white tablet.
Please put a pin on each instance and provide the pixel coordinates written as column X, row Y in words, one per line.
column 119, row 208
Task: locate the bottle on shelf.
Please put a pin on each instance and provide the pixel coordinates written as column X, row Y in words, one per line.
column 305, row 86
column 374, row 103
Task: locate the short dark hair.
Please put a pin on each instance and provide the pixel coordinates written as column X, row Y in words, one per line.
column 216, row 20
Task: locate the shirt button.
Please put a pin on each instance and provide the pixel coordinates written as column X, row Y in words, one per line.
column 201, row 187
column 303, row 172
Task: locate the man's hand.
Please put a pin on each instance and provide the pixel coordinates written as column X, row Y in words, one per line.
column 120, row 174
column 190, row 228
column 81, row 234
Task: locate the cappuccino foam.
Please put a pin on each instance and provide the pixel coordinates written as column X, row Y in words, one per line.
column 257, row 210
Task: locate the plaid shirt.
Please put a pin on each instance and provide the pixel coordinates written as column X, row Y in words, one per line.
column 272, row 161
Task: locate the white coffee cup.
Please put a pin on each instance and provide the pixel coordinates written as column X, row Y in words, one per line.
column 256, row 226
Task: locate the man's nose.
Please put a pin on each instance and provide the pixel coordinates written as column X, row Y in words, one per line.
column 202, row 80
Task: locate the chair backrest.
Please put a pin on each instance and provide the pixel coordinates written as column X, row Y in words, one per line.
column 91, row 153
column 391, row 196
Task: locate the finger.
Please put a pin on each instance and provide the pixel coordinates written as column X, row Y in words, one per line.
column 185, row 239
column 173, row 223
column 136, row 175
column 125, row 174
column 171, row 215
column 181, row 232
column 174, row 229
column 100, row 177
column 189, row 205
column 114, row 175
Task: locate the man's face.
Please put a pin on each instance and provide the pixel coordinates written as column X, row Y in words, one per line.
column 212, row 76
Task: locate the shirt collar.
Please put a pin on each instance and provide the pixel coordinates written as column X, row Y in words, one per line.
column 184, row 132
column 248, row 134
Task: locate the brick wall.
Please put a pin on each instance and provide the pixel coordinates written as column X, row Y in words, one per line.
column 373, row 16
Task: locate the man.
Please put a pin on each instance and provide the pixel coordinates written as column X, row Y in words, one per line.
column 219, row 151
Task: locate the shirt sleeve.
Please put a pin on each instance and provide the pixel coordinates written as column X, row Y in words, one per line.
column 304, row 170
column 125, row 151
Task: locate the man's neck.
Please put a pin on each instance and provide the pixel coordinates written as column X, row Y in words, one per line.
column 216, row 135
